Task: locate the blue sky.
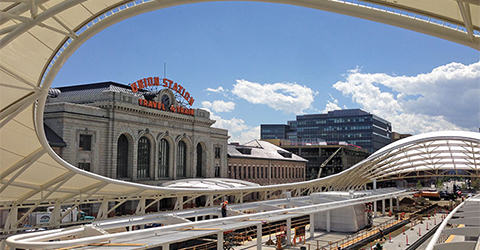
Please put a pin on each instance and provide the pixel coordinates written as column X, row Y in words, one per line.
column 258, row 63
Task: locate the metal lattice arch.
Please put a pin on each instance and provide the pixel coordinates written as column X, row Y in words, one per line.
column 38, row 36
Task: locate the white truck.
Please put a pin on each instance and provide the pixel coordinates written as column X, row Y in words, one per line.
column 43, row 218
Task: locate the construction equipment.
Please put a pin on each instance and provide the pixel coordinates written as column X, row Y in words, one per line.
column 325, row 162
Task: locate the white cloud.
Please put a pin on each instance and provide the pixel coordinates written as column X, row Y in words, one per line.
column 247, row 135
column 219, row 106
column 237, row 129
column 331, row 105
column 217, row 90
column 445, row 99
column 287, row 97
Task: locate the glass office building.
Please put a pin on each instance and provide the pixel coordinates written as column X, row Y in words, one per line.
column 350, row 126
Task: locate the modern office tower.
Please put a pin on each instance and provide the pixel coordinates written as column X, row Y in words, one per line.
column 349, row 126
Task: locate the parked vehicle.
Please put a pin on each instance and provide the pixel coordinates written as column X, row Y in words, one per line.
column 43, row 218
column 446, row 195
column 431, row 194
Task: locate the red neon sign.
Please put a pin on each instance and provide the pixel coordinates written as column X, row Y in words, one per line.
column 167, row 83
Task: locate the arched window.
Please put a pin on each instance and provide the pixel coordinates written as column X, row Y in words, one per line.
column 143, row 159
column 163, row 158
column 122, row 157
column 199, row 160
column 182, row 159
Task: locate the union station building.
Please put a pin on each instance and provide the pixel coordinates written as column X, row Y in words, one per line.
column 134, row 134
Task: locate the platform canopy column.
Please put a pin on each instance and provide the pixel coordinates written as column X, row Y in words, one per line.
column 259, row 237
column 289, row 231
column 220, row 240
column 312, row 225
column 166, row 246
column 328, row 221
column 383, row 206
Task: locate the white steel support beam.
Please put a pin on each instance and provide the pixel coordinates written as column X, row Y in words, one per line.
column 58, row 8
column 383, row 207
column 220, row 240
column 179, row 203
column 209, row 201
column 289, row 232
column 259, row 236
column 11, row 222
column 12, row 111
column 95, row 188
column 102, row 211
column 239, row 198
column 328, row 219
column 20, row 166
column 14, row 16
column 33, row 8
column 312, row 226
column 59, row 181
column 56, row 218
column 467, row 18
column 140, row 206
column 155, row 201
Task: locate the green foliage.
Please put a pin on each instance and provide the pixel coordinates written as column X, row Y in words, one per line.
column 439, row 184
column 419, row 185
column 476, row 184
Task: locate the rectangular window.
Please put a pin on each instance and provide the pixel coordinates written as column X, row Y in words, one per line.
column 217, row 171
column 217, row 152
column 85, row 142
column 84, row 165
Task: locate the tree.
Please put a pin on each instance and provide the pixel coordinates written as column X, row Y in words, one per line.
column 439, row 184
column 476, row 184
column 419, row 185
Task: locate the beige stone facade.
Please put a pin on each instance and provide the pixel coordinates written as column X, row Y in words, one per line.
column 109, row 133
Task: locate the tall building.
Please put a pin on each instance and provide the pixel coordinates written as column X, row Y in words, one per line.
column 350, row 126
column 133, row 134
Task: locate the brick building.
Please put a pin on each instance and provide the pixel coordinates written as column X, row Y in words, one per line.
column 264, row 163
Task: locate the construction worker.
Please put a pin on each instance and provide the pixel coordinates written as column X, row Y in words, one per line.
column 224, row 208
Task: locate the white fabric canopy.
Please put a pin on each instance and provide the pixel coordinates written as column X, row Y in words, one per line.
column 38, row 36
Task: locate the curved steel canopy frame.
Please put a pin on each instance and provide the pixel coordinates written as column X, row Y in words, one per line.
column 38, row 36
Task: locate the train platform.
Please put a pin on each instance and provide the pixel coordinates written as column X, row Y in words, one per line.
column 399, row 239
